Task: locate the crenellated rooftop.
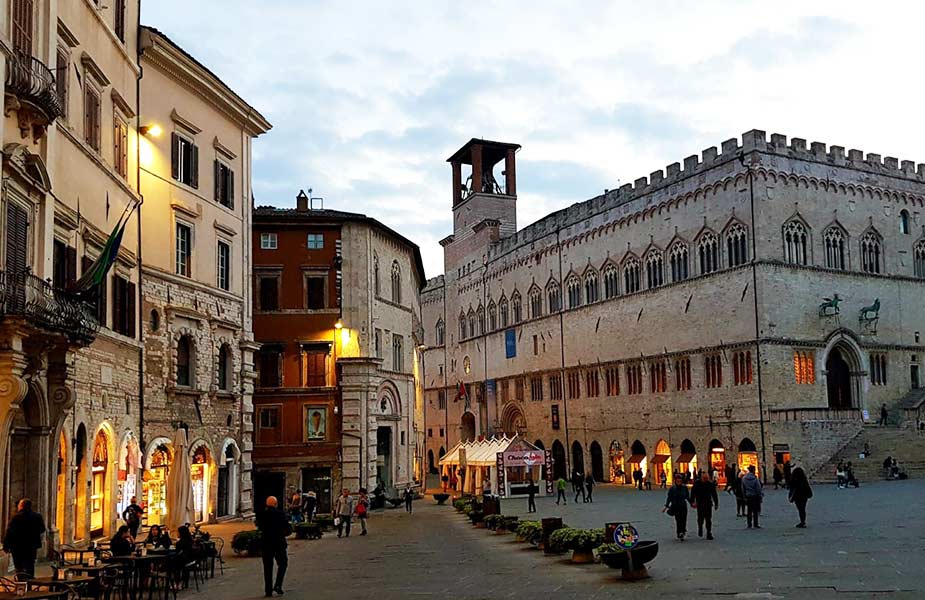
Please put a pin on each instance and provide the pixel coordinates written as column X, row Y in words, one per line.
column 731, row 149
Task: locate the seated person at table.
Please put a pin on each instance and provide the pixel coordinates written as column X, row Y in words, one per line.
column 122, row 543
column 185, row 542
column 158, row 538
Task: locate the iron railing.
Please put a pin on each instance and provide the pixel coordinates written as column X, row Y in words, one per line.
column 30, row 79
column 783, row 415
column 25, row 295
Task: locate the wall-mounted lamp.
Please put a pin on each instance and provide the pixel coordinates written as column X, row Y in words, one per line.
column 153, row 130
column 339, row 324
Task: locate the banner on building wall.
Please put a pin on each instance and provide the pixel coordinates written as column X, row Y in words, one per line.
column 510, row 343
column 549, row 482
column 491, row 388
column 499, row 465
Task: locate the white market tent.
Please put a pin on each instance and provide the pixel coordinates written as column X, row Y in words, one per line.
column 478, row 461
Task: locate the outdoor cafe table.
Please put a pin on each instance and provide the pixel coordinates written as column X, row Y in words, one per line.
column 77, row 582
column 139, row 566
column 34, row 595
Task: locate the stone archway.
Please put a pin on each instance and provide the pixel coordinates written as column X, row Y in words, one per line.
column 467, row 427
column 845, row 371
column 578, row 458
column 27, row 445
column 513, row 420
column 597, row 461
column 559, row 465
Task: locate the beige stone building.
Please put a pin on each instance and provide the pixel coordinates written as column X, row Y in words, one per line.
column 69, row 397
column 682, row 321
column 195, row 296
column 78, row 397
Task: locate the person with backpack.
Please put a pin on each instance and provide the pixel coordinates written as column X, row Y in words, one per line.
column 132, row 516
column 800, row 493
column 362, row 510
column 751, row 490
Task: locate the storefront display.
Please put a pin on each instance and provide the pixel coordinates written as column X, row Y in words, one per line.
column 154, row 486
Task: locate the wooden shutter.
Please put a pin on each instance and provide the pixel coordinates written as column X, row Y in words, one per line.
column 17, row 238
column 130, row 309
column 120, row 19
column 218, row 181
column 194, row 163
column 314, row 368
column 22, row 25
column 62, row 70
column 118, row 292
column 71, row 263
column 230, row 186
column 175, row 156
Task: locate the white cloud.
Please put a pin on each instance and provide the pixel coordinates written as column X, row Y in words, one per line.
column 369, row 98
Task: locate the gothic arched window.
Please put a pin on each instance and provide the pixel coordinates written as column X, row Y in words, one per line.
column 536, row 303
column 870, row 252
column 631, row 276
column 835, row 248
column 736, row 245
column 573, row 286
column 795, row 243
column 611, row 277
column 654, row 270
column 440, row 333
column 918, row 254
column 396, row 283
column 592, row 287
column 516, row 308
column 502, row 312
column 553, row 297
column 678, row 258
column 708, row 250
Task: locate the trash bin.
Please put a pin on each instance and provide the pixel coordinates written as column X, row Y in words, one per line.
column 549, row 525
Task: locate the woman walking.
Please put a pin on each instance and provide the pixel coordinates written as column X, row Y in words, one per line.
column 676, row 506
column 800, row 493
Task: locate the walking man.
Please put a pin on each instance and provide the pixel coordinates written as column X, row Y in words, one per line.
column 578, row 485
column 343, row 511
column 274, row 527
column 132, row 516
column 751, row 490
column 363, row 509
column 704, row 499
column 23, row 538
column 883, row 415
column 531, row 495
column 560, row 490
column 800, row 493
column 409, row 497
column 676, row 505
column 589, row 486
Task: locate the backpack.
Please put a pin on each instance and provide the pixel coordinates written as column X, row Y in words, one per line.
column 361, row 509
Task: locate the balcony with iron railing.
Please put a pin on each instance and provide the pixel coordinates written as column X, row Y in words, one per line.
column 32, row 84
column 22, row 294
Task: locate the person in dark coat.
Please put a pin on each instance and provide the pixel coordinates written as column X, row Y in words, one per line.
column 24, row 537
column 730, row 479
column 122, row 543
column 788, row 471
column 274, row 527
column 157, row 538
column 800, row 493
column 704, row 499
column 637, row 477
column 740, row 497
column 531, row 495
column 589, row 486
column 132, row 516
column 579, row 487
column 676, row 503
column 778, row 476
column 751, row 490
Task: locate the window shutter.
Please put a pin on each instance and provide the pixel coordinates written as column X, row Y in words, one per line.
column 194, row 160
column 17, row 238
column 175, row 156
column 230, row 189
column 130, row 309
column 217, row 168
column 118, row 304
column 71, row 266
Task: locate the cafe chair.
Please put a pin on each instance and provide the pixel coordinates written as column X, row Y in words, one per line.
column 217, row 555
column 7, row 585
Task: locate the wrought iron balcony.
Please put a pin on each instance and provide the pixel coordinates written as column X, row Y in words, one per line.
column 24, row 295
column 32, row 84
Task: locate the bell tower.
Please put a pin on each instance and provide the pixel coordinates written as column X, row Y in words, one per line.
column 478, row 194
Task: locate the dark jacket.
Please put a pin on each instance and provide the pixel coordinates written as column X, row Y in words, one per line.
column 678, row 498
column 119, row 546
column 132, row 514
column 24, row 532
column 703, row 494
column 161, row 541
column 751, row 486
column 274, row 527
column 800, row 490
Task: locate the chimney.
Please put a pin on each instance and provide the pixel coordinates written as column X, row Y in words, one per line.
column 301, row 201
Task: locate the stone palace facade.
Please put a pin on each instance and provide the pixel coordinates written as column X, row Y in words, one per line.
column 754, row 305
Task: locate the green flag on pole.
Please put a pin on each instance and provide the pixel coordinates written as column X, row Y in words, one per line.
column 96, row 274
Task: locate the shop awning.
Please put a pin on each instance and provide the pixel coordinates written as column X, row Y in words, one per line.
column 660, row 459
column 637, row 458
column 686, row 458
column 483, row 453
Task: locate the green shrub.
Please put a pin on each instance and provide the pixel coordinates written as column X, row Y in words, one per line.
column 580, row 540
column 461, row 503
column 530, row 531
column 246, row 542
column 476, row 516
column 493, row 521
column 609, row 549
column 325, row 522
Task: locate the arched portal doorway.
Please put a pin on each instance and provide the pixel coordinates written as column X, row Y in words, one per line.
column 61, row 488
column 80, row 493
column 597, row 461
column 687, row 460
column 201, row 475
column 748, row 456
column 99, row 487
column 578, row 458
column 431, row 463
column 442, row 452
column 638, row 460
column 27, row 447
column 154, row 481
column 227, row 503
column 559, row 466
column 838, row 379
column 467, row 427
column 661, row 463
column 618, row 471
column 718, row 461
column 512, row 420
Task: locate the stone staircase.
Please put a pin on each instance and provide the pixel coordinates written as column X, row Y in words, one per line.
column 905, row 444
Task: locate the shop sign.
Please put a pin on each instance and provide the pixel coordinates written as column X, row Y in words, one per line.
column 549, row 482
column 623, row 535
column 499, row 465
column 527, row 458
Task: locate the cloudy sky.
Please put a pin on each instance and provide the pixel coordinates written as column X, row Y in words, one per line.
column 368, row 99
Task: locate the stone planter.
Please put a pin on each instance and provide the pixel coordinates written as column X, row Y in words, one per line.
column 441, row 498
column 632, row 562
column 582, row 557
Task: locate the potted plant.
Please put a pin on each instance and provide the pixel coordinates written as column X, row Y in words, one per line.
column 310, row 531
column 511, row 523
column 460, row 503
column 581, row 542
column 324, row 521
column 632, row 562
column 441, row 498
column 246, row 542
column 477, row 517
column 530, row 532
column 492, row 521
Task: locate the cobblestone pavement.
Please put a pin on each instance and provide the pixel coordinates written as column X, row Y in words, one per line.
column 865, row 543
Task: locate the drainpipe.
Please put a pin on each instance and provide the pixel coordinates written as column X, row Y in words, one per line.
column 568, row 446
column 751, row 193
column 140, row 309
